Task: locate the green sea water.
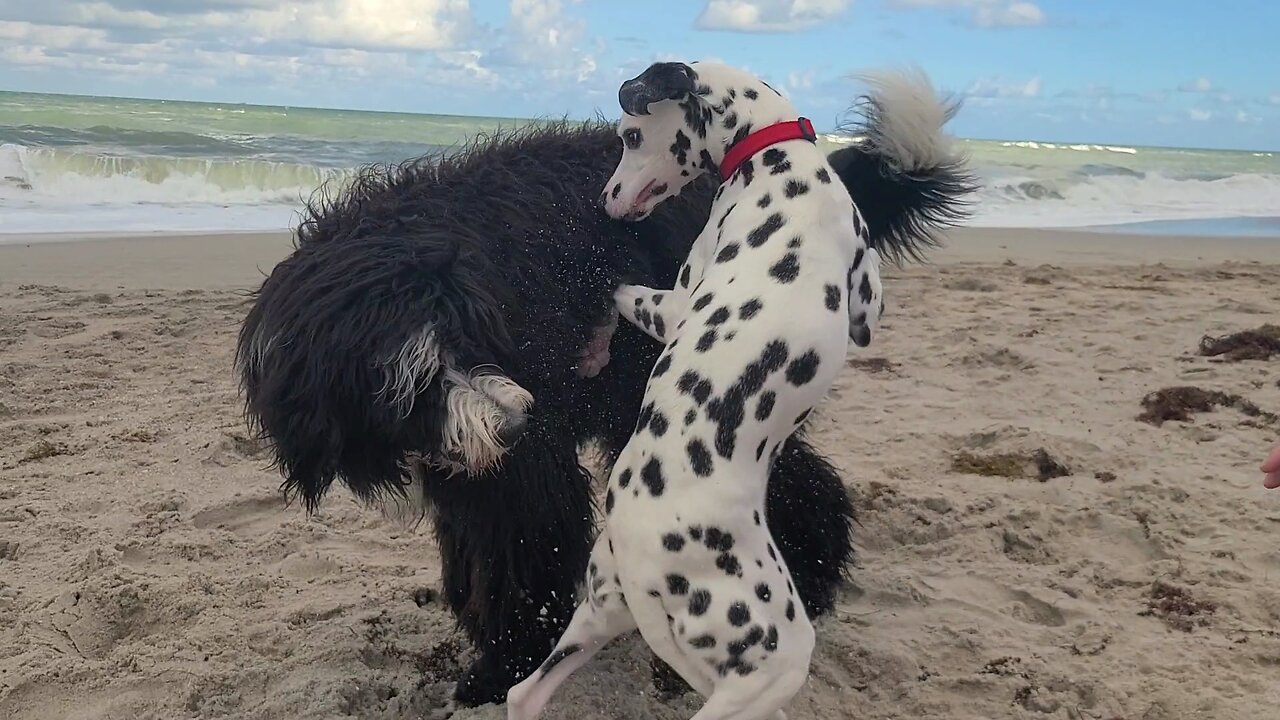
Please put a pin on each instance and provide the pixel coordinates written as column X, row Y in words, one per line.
column 70, row 163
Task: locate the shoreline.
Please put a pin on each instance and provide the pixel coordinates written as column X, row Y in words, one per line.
column 241, row 259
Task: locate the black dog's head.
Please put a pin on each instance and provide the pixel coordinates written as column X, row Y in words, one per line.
column 360, row 353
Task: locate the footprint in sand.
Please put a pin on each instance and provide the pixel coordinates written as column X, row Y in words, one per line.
column 55, row 328
column 1034, row 610
column 249, row 516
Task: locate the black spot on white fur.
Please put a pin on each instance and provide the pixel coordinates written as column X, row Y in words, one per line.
column 787, row 269
column 765, row 230
column 677, row 584
column 776, row 160
column 662, row 366
column 651, row 476
column 728, row 562
column 658, row 424
column 699, row 602
column 801, row 370
column 716, row 539
column 831, row 297
column 725, row 216
column 727, row 411
column 764, row 406
column 699, row 457
column 558, row 657
column 680, row 148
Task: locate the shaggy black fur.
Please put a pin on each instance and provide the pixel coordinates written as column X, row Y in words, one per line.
column 502, row 248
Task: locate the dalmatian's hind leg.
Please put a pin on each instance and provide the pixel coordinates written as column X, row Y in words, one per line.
column 866, row 297
column 654, row 311
column 759, row 696
column 600, row 618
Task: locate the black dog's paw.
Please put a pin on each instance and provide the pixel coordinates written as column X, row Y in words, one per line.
column 483, row 683
column 666, row 681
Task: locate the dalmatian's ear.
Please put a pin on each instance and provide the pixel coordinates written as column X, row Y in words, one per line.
column 660, row 81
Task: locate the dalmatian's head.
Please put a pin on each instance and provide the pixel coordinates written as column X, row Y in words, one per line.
column 677, row 122
column 659, row 151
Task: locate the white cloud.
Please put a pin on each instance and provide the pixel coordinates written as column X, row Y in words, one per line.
column 1101, row 94
column 382, row 24
column 800, row 80
column 52, row 37
column 1247, row 118
column 1198, row 85
column 1000, row 88
column 1198, row 115
column 1018, row 14
column 1274, row 99
column 366, row 24
column 769, row 15
column 987, row 13
column 301, row 46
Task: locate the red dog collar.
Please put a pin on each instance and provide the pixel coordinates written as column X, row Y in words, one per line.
column 800, row 129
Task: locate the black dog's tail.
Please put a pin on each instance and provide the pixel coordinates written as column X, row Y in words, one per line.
column 903, row 174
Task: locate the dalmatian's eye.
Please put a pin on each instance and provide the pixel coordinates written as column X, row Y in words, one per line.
column 632, row 138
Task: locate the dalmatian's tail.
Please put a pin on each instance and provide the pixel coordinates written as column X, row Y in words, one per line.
column 904, row 175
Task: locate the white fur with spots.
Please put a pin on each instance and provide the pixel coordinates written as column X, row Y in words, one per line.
column 757, row 328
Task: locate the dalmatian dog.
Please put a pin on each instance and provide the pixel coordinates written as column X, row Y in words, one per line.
column 757, row 329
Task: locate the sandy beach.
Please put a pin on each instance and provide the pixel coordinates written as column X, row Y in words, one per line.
column 1028, row 547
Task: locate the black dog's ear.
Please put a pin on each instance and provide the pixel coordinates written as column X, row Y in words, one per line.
column 661, row 81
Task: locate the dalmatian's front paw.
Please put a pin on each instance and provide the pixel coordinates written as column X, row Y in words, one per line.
column 595, row 356
column 625, row 297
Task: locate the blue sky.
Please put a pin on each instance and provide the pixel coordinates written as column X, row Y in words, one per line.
column 1174, row 72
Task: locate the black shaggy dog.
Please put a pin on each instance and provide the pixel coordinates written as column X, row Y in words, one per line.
column 424, row 339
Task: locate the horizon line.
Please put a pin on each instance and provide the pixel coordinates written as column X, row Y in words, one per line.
column 567, row 117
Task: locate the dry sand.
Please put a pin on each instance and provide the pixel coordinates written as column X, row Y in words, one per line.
column 149, row 570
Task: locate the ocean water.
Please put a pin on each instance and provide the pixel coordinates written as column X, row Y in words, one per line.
column 78, row 164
